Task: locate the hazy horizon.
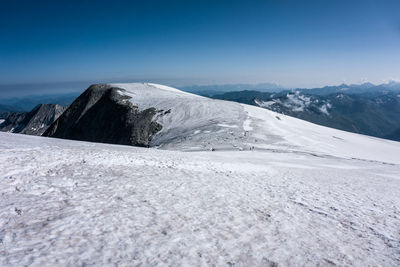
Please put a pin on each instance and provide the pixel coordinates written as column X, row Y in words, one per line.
column 293, row 44
column 38, row 89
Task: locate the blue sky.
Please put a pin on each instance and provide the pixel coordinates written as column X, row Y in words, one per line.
column 291, row 43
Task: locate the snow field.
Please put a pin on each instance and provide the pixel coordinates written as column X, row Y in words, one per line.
column 74, row 203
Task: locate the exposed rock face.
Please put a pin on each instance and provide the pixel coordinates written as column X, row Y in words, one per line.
column 102, row 114
column 34, row 122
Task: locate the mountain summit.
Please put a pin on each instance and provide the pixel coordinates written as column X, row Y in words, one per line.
column 153, row 115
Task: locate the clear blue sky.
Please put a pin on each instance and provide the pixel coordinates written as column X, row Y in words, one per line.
column 292, row 43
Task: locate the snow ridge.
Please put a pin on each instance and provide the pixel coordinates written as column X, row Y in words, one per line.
column 191, row 122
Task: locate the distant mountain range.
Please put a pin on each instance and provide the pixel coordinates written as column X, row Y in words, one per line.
column 27, row 103
column 367, row 109
column 34, row 122
column 210, row 90
column 365, row 88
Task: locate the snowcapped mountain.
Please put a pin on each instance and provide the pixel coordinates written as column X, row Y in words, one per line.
column 276, row 190
column 159, row 116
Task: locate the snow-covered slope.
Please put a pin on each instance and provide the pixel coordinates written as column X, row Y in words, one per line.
column 192, row 122
column 276, row 190
column 71, row 203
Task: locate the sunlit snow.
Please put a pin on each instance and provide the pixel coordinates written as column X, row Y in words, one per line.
column 298, row 193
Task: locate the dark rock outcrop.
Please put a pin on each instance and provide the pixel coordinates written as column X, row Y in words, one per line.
column 102, row 114
column 34, row 122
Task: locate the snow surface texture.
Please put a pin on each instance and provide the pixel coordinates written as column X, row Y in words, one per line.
column 71, row 203
column 193, row 123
